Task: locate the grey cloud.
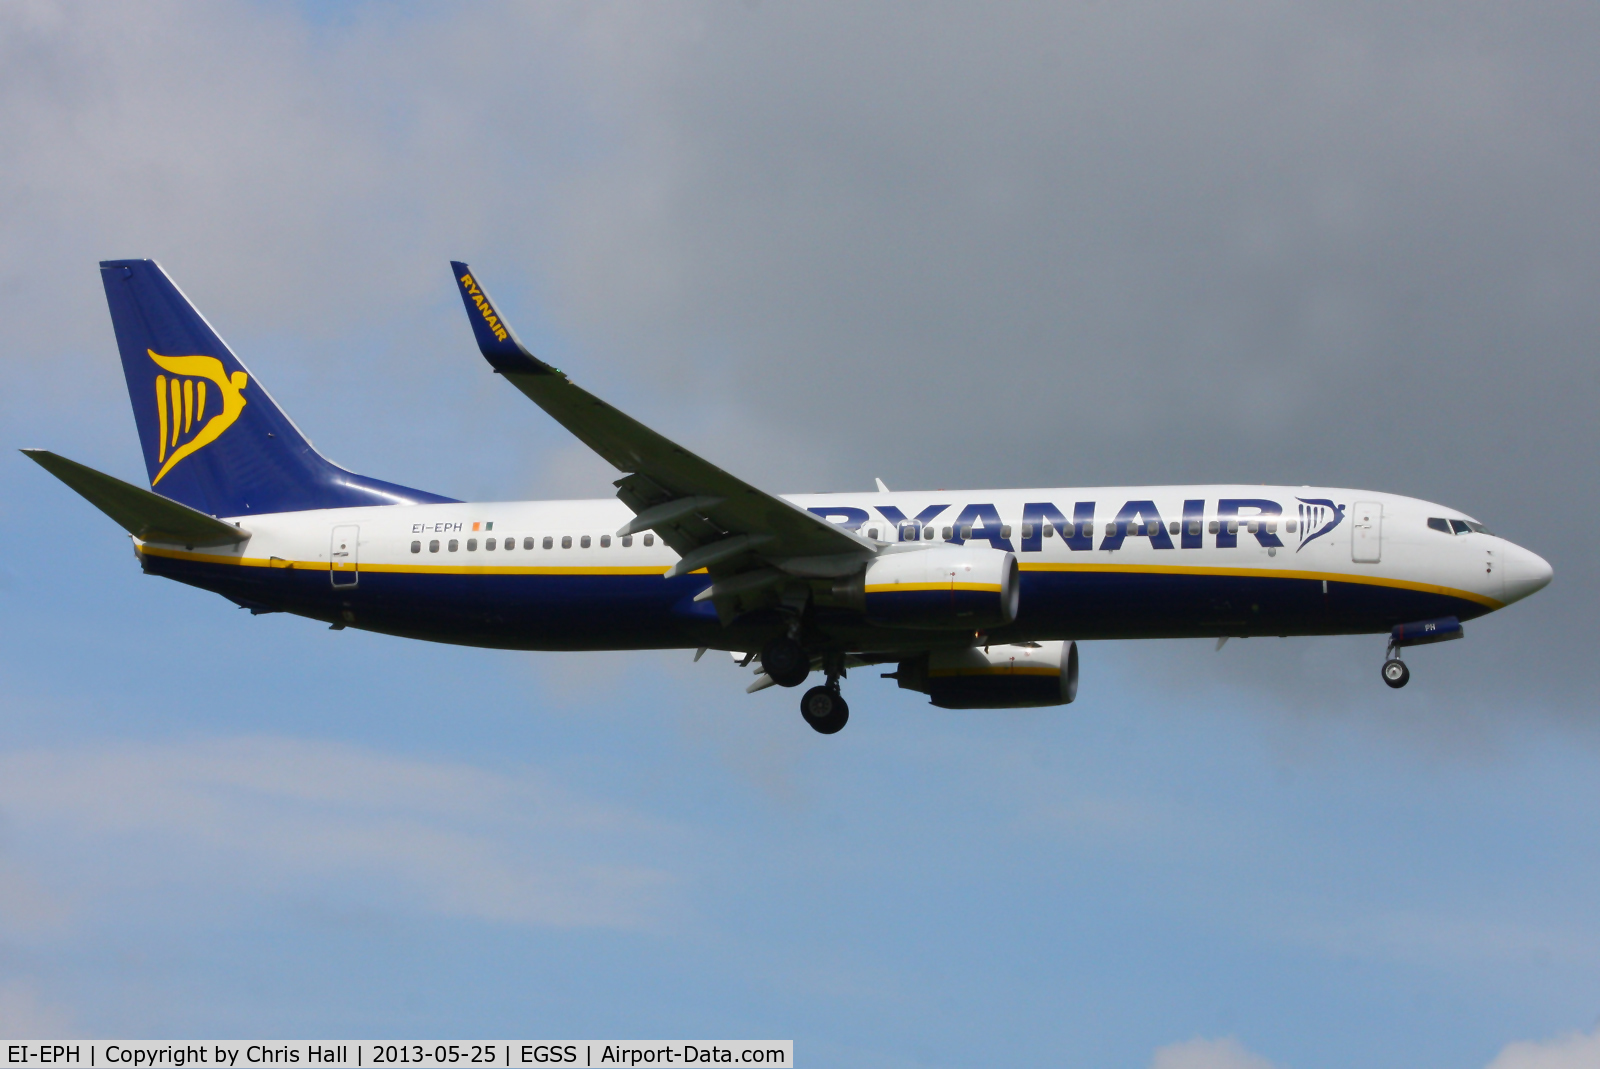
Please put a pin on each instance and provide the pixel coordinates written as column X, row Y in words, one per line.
column 1046, row 245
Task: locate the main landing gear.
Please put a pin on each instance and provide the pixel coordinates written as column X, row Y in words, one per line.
column 788, row 663
column 825, row 709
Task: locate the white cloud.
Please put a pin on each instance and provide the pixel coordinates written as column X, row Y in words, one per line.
column 1573, row 1051
column 310, row 818
column 1224, row 1053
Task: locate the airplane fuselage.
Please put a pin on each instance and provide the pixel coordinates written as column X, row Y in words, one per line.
column 1096, row 563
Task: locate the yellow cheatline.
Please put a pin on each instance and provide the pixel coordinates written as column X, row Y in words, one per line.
column 188, row 404
column 909, row 588
column 161, row 415
column 436, row 569
column 1148, row 569
column 1265, row 573
column 233, row 401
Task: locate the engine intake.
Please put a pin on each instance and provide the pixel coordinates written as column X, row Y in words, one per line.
column 946, row 586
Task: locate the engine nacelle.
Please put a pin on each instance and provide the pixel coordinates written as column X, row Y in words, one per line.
column 995, row 677
column 946, row 586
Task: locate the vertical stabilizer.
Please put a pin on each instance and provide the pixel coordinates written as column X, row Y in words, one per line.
column 213, row 438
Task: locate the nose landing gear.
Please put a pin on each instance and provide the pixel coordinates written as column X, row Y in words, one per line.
column 1395, row 673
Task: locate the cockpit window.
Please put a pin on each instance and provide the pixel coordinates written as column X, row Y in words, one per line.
column 1459, row 527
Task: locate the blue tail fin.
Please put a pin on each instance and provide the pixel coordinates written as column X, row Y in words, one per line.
column 213, row 439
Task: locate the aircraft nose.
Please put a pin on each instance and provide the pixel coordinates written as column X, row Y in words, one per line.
column 1525, row 571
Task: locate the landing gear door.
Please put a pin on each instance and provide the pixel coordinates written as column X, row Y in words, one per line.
column 342, row 557
column 1366, row 532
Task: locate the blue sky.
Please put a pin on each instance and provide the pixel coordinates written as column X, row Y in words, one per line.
column 948, row 247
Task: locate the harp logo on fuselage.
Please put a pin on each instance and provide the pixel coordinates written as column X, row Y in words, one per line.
column 1318, row 516
column 182, row 401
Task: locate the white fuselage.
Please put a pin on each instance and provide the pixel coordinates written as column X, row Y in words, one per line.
column 1096, row 562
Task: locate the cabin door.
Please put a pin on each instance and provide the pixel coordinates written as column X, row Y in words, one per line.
column 342, row 558
column 1366, row 532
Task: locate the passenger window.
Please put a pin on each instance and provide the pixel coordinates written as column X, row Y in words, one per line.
column 948, row 533
column 548, row 542
column 489, row 543
column 1173, row 527
column 433, row 546
column 472, row 545
column 454, row 545
column 605, row 541
column 1194, row 527
column 627, row 540
column 872, row 533
column 1215, row 527
column 416, row 547
column 1288, row 526
column 566, row 541
column 1027, row 530
column 1439, row 524
column 1111, row 528
column 1049, row 531
column 527, row 543
column 649, row 539
column 927, row 534
column 1460, row 526
column 584, row 542
column 1005, row 530
column 1252, row 526
column 966, row 531
column 1272, row 527
column 511, row 543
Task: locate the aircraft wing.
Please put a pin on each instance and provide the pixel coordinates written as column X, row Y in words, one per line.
column 712, row 519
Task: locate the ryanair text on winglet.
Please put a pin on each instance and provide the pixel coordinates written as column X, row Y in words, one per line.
column 484, row 307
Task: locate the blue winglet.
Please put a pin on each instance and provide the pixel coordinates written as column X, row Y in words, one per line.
column 498, row 345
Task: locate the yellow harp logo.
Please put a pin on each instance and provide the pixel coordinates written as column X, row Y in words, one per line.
column 181, row 405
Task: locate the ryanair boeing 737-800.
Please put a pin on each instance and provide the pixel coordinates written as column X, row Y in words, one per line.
column 978, row 598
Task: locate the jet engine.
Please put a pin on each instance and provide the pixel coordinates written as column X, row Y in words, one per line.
column 995, row 677
column 946, row 586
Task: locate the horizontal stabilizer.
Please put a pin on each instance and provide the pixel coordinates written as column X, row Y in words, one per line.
column 147, row 516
